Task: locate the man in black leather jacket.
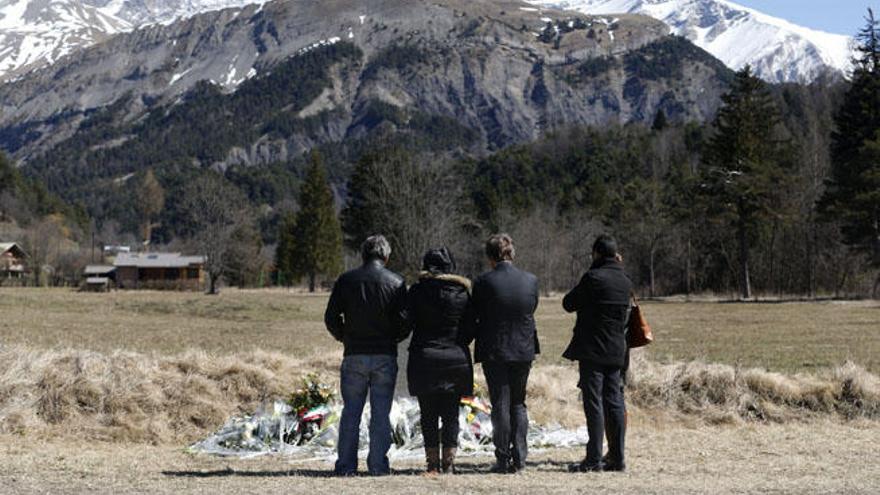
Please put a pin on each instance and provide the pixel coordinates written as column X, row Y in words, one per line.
column 367, row 313
column 504, row 303
column 602, row 301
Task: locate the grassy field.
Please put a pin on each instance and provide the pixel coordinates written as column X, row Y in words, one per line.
column 814, row 458
column 100, row 393
column 782, row 337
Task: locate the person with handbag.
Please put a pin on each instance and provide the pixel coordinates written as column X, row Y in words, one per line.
column 599, row 345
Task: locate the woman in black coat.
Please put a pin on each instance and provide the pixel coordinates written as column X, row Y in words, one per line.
column 439, row 370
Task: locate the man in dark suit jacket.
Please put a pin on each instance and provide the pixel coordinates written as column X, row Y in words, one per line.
column 504, row 302
column 602, row 302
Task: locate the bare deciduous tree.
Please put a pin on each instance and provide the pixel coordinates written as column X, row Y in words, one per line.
column 215, row 212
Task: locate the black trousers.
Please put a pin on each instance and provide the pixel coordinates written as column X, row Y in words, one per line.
column 510, row 419
column 604, row 407
column 437, row 408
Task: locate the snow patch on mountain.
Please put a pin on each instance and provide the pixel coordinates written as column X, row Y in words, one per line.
column 36, row 33
column 778, row 50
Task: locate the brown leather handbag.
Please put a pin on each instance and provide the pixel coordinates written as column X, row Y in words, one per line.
column 639, row 333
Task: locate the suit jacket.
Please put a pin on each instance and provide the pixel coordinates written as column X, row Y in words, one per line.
column 602, row 302
column 504, row 302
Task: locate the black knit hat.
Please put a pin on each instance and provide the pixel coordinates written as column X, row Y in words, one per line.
column 438, row 260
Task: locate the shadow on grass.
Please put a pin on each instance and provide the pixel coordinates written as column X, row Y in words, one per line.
column 460, row 469
column 787, row 300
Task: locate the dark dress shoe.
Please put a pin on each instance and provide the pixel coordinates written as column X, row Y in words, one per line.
column 583, row 467
column 501, row 468
column 609, row 464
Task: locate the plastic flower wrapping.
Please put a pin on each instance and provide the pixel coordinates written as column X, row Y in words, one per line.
column 306, row 427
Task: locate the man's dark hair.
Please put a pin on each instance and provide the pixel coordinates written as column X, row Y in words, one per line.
column 605, row 246
column 499, row 247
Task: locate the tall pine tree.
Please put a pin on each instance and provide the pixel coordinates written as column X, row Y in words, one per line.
column 744, row 166
column 284, row 249
column 852, row 197
column 317, row 236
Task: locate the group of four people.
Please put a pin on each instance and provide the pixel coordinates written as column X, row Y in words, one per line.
column 371, row 311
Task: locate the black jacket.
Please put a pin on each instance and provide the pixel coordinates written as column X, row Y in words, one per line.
column 439, row 359
column 367, row 310
column 602, row 301
column 504, row 301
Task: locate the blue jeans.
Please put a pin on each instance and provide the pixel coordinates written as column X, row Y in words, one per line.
column 376, row 373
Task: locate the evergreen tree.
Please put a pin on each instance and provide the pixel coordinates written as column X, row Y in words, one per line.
column 853, row 191
column 660, row 121
column 150, row 197
column 317, row 236
column 284, row 249
column 744, row 165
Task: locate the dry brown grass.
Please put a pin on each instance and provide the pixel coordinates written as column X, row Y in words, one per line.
column 131, row 397
column 99, row 392
column 790, row 337
column 665, row 456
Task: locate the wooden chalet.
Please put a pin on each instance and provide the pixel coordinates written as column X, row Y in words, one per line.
column 13, row 263
column 164, row 271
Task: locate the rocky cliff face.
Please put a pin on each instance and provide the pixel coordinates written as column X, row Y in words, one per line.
column 502, row 70
column 777, row 50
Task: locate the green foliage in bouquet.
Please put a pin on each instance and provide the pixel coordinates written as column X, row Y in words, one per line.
column 311, row 394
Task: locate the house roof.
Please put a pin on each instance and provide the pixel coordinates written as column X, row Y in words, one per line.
column 157, row 260
column 98, row 269
column 14, row 247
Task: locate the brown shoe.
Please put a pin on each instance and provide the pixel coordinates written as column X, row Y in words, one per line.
column 449, row 460
column 432, row 457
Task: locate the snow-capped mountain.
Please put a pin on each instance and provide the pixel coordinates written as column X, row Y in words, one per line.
column 778, row 50
column 34, row 33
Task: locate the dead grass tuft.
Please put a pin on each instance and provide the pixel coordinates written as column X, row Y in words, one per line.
column 134, row 397
column 722, row 393
column 131, row 397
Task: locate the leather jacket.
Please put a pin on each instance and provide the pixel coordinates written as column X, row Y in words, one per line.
column 367, row 310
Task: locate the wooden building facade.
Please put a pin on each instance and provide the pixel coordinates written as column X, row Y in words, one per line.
column 162, row 271
column 13, row 264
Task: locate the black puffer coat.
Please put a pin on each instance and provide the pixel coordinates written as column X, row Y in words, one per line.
column 439, row 360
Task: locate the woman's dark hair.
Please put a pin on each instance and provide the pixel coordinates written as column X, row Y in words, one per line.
column 499, row 247
column 605, row 246
column 438, row 260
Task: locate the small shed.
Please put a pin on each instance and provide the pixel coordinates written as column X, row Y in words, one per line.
column 99, row 278
column 168, row 271
column 12, row 261
column 96, row 284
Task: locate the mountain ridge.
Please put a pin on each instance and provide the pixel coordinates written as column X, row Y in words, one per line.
column 777, row 50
